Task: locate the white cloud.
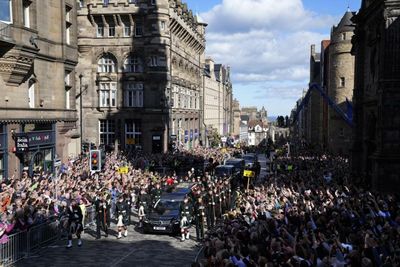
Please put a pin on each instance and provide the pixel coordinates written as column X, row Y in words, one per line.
column 239, row 16
column 266, row 42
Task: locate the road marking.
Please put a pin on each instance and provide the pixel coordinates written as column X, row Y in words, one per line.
column 124, row 257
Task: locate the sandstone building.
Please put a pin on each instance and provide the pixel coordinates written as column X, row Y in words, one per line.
column 340, row 85
column 140, row 63
column 38, row 54
column 376, row 149
column 217, row 90
column 236, row 119
column 314, row 106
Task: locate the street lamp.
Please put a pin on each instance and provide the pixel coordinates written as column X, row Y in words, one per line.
column 80, row 109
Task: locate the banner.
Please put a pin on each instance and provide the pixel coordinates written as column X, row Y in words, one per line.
column 123, row 170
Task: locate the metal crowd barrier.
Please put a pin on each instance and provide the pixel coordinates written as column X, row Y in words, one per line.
column 23, row 244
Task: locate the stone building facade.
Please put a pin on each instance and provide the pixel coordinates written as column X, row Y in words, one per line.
column 140, row 63
column 376, row 146
column 313, row 109
column 340, row 85
column 217, row 90
column 38, row 55
column 236, row 119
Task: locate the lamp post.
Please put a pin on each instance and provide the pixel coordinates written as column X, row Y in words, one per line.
column 80, row 109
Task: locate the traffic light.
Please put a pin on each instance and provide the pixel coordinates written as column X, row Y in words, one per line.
column 95, row 161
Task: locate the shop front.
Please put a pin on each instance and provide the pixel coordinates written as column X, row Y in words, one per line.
column 36, row 149
column 3, row 152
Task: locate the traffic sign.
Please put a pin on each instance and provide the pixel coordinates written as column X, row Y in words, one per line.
column 248, row 173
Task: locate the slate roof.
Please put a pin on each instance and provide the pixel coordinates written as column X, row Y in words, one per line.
column 254, row 123
column 345, row 24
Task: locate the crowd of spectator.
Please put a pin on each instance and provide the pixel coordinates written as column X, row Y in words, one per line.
column 29, row 201
column 308, row 215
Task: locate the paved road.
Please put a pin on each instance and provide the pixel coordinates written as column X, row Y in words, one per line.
column 135, row 250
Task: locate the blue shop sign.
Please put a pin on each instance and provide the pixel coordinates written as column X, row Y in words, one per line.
column 196, row 133
column 191, row 134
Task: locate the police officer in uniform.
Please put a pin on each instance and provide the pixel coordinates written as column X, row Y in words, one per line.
column 200, row 212
column 102, row 210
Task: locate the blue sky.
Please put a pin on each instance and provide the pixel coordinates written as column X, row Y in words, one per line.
column 267, row 44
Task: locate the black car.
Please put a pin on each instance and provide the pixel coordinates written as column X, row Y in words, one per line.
column 239, row 164
column 165, row 216
column 250, row 159
column 224, row 171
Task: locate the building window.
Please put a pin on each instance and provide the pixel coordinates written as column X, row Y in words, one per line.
column 132, row 1
column 68, row 87
column 133, row 132
column 343, row 36
column 153, row 61
column 31, row 94
column 133, row 64
column 111, row 30
column 127, row 30
column 26, row 14
column 106, row 64
column 108, row 94
column 67, row 98
column 100, row 30
column 107, row 132
column 68, row 24
column 6, row 11
column 106, row 2
column 153, row 2
column 162, row 25
column 81, row 3
column 138, row 29
column 342, row 81
column 133, row 95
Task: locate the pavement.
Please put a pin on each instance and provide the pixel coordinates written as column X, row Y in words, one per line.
column 137, row 249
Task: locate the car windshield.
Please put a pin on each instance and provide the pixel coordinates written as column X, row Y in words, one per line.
column 248, row 158
column 164, row 204
column 222, row 171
